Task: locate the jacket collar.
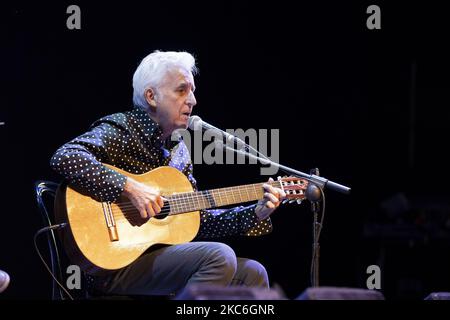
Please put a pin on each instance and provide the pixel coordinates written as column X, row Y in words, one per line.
column 152, row 131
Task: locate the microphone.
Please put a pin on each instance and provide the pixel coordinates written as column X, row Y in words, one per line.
column 196, row 123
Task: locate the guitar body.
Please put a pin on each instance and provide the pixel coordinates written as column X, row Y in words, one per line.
column 89, row 242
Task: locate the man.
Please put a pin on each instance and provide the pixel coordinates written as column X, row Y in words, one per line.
column 138, row 141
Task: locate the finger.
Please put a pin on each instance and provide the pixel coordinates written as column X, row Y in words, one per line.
column 149, row 209
column 156, row 208
column 271, row 189
column 270, row 205
column 271, row 197
column 160, row 201
column 270, row 180
column 143, row 213
column 281, row 193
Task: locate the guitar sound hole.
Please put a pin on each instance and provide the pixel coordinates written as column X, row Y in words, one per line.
column 160, row 216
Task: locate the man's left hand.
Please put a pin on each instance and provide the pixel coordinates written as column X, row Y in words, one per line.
column 272, row 199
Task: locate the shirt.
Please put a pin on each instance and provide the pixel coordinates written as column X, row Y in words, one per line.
column 133, row 142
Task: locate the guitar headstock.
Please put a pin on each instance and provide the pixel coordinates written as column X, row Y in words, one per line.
column 294, row 188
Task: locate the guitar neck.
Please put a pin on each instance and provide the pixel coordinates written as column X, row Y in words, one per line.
column 194, row 201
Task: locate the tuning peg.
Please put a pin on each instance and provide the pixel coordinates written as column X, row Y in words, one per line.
column 284, row 201
column 299, row 201
column 290, row 201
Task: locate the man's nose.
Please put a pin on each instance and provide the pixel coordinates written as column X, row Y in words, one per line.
column 191, row 101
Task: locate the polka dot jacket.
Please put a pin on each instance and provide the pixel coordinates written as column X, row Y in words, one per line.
column 132, row 141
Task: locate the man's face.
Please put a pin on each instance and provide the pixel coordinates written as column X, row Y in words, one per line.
column 175, row 100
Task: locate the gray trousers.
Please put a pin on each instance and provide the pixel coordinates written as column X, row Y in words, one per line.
column 169, row 269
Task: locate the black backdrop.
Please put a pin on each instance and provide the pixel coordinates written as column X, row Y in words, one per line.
column 368, row 107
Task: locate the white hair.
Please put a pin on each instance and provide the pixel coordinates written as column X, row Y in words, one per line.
column 152, row 70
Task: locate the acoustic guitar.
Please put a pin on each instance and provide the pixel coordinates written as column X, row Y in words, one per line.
column 104, row 236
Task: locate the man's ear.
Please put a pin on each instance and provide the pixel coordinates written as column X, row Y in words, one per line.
column 150, row 97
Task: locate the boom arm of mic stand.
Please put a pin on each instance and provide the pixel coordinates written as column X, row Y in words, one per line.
column 320, row 181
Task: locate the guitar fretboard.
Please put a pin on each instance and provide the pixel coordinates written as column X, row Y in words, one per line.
column 194, row 201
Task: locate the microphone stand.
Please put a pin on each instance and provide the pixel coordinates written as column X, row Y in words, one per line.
column 314, row 194
column 316, row 246
column 319, row 181
column 195, row 123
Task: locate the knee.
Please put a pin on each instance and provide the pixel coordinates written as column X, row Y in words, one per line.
column 224, row 258
column 256, row 274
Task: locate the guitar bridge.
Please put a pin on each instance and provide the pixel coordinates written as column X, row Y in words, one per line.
column 110, row 221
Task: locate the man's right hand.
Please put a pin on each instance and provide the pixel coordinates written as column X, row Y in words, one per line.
column 146, row 199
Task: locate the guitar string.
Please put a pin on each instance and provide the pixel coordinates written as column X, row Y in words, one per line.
column 175, row 205
column 186, row 200
column 184, row 204
column 178, row 201
column 180, row 198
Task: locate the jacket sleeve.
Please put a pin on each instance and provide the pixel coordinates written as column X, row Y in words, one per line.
column 80, row 161
column 230, row 222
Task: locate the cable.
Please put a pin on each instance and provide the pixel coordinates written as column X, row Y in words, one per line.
column 41, row 188
column 40, row 231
